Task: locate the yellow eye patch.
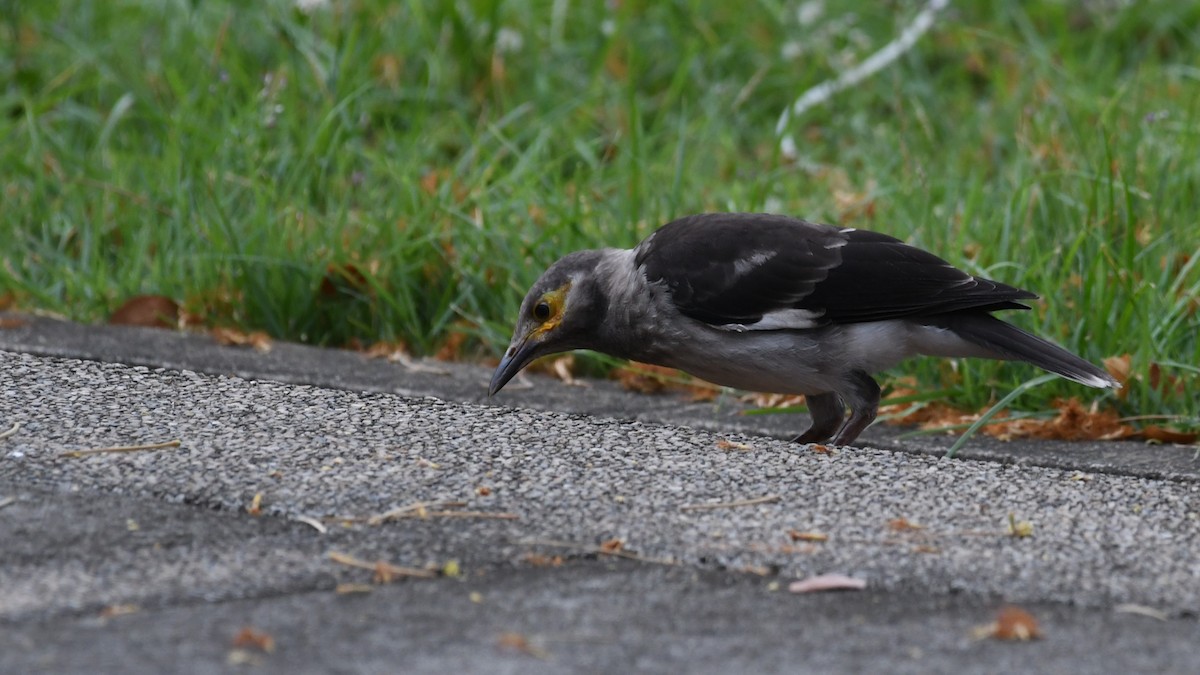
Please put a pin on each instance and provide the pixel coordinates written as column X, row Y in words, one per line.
column 548, row 309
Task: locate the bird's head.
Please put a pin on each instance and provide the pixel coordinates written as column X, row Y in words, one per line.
column 561, row 312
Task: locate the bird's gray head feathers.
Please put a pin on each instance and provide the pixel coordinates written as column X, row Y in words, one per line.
column 561, row 312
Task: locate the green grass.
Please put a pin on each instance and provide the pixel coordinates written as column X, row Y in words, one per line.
column 427, row 168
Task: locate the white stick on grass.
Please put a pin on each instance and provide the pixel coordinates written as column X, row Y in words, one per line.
column 893, row 50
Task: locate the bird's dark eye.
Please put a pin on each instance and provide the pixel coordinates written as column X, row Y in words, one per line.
column 541, row 311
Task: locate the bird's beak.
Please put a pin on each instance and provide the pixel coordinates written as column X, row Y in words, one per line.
column 519, row 354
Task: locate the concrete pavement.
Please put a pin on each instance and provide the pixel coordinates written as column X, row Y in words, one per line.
column 520, row 502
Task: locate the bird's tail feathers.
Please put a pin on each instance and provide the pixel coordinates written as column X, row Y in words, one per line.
column 1011, row 343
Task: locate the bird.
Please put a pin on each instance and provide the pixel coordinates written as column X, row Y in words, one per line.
column 775, row 304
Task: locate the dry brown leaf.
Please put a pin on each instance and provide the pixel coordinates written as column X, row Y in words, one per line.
column 612, row 546
column 1014, row 623
column 562, row 366
column 1120, row 367
column 342, row 280
column 255, row 508
column 452, row 346
column 827, row 582
column 384, row 349
column 645, row 378
column 797, row 535
column 903, row 525
column 252, row 638
column 1170, row 385
column 232, row 337
column 775, row 401
column 1164, row 435
column 520, row 643
column 151, row 311
column 540, row 560
column 113, row 611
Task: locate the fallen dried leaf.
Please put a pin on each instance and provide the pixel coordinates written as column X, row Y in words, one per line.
column 1164, row 435
column 455, row 343
column 113, row 611
column 258, row 339
column 797, row 535
column 1012, row 623
column 562, row 368
column 346, row 280
column 151, row 311
column 903, row 525
column 645, row 378
column 252, row 638
column 255, row 508
column 1120, row 367
column 612, row 546
column 540, row 560
column 384, row 350
column 774, row 401
column 827, row 582
column 520, row 643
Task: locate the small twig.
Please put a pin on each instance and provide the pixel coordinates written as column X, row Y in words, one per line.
column 726, row 505
column 598, row 550
column 10, row 432
column 494, row 515
column 417, row 509
column 316, row 524
column 7, row 501
column 123, row 448
column 1141, row 610
column 388, row 568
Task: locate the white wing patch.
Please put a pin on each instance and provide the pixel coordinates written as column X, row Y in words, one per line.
column 781, row 319
column 749, row 263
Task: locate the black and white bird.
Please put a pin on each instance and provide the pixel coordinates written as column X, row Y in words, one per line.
column 774, row 304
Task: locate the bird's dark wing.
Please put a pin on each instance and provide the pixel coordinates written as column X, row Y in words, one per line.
column 739, row 268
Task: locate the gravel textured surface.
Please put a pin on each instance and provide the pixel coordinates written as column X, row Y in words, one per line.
column 326, row 454
column 152, row 561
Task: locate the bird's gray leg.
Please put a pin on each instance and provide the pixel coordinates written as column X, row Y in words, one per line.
column 827, row 412
column 862, row 397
